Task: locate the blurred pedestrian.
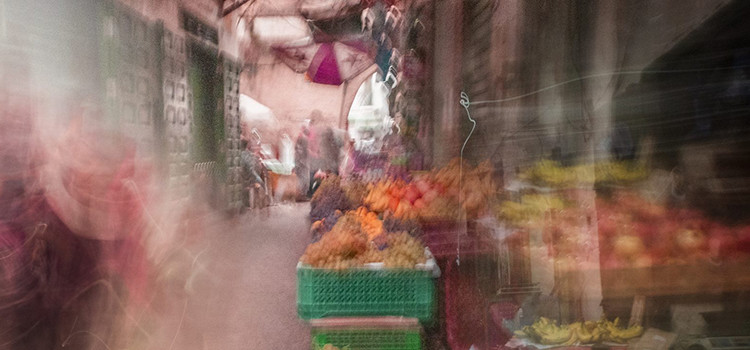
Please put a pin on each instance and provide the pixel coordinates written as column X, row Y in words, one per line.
column 329, row 152
column 348, row 163
column 301, row 162
column 313, row 149
column 251, row 172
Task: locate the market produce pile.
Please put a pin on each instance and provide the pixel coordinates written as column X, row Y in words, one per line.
column 552, row 174
column 633, row 231
column 437, row 195
column 358, row 238
column 547, row 332
column 636, row 232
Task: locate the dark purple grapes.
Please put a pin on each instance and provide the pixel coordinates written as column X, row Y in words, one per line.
column 391, row 224
column 328, row 198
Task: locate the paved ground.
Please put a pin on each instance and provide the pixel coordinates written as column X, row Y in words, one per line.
column 244, row 295
column 231, row 285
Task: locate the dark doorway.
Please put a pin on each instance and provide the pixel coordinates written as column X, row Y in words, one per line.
column 204, row 84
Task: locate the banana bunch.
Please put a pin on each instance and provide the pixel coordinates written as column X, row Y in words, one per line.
column 620, row 172
column 619, row 335
column 547, row 332
column 530, row 210
column 551, row 173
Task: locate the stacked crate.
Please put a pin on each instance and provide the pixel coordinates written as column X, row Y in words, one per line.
column 368, row 307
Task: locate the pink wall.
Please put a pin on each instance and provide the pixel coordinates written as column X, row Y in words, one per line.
column 289, row 95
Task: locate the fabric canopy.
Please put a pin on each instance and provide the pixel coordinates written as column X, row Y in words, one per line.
column 275, row 30
column 254, row 112
column 329, row 63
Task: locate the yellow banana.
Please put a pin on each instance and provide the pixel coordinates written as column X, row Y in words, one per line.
column 584, row 335
column 596, row 335
column 573, row 339
column 558, row 337
column 547, row 332
column 629, row 333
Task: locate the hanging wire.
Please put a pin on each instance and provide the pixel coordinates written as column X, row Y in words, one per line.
column 599, row 75
column 465, row 103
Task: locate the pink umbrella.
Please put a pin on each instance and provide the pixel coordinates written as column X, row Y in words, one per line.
column 329, row 63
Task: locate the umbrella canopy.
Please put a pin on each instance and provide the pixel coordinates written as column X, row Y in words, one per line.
column 329, row 63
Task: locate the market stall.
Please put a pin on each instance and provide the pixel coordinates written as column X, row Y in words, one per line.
column 574, row 207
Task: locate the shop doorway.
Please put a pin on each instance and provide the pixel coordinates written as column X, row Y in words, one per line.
column 206, row 86
column 204, row 79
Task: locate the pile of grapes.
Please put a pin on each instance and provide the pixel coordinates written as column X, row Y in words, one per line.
column 355, row 191
column 357, row 239
column 328, row 198
column 403, row 251
column 339, row 247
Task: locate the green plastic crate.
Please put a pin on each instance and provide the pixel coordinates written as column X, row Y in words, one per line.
column 365, row 292
column 368, row 339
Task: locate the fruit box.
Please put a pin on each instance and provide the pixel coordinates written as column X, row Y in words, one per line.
column 367, row 291
column 377, row 333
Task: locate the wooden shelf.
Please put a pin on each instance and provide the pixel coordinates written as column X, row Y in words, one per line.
column 695, row 278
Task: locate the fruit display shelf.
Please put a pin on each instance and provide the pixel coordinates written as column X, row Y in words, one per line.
column 370, row 290
column 684, row 279
column 374, row 333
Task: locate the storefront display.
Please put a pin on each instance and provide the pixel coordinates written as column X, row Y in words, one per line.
column 641, row 242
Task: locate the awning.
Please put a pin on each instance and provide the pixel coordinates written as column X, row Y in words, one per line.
column 276, row 30
column 253, row 112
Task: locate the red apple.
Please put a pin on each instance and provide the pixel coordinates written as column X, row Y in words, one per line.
column 411, row 193
column 690, row 241
column 722, row 245
column 423, row 186
column 627, row 246
column 419, row 203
